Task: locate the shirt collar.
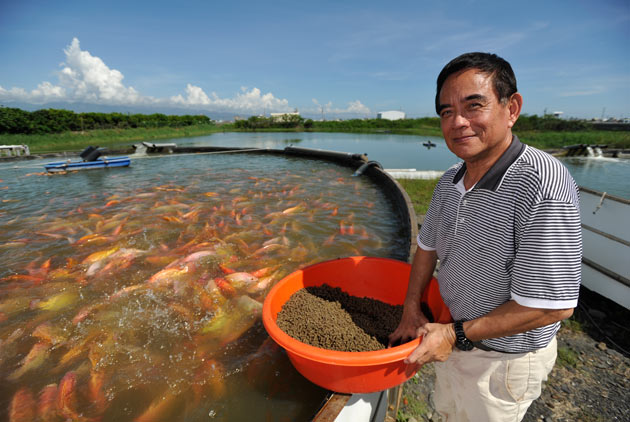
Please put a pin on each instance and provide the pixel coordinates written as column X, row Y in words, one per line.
column 492, row 179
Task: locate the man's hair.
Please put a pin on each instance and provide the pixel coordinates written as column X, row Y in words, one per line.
column 490, row 64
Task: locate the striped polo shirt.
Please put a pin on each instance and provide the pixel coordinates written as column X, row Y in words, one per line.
column 515, row 235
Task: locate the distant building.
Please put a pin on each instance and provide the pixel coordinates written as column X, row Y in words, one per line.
column 276, row 117
column 391, row 115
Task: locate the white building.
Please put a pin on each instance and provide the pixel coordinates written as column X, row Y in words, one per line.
column 391, row 115
column 277, row 117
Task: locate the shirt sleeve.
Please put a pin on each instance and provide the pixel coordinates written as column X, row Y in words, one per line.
column 547, row 265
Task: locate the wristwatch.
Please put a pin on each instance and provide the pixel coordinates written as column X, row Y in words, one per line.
column 461, row 341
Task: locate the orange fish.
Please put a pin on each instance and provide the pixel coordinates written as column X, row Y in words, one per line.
column 209, row 379
column 22, row 407
column 34, row 359
column 48, row 333
column 95, row 238
column 225, row 269
column 47, row 403
column 241, row 280
column 330, row 240
column 23, row 277
column 66, row 396
column 225, row 287
column 171, row 219
column 85, row 312
column 163, row 407
column 118, row 228
column 210, row 296
column 162, row 260
column 95, row 389
column 261, row 272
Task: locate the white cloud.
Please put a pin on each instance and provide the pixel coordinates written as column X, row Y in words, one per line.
column 357, row 107
column 354, row 108
column 194, row 97
column 86, row 78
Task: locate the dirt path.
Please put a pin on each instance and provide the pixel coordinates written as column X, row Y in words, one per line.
column 590, row 381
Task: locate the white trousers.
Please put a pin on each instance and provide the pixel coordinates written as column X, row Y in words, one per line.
column 480, row 386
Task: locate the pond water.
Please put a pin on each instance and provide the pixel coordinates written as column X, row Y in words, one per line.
column 136, row 293
column 400, row 151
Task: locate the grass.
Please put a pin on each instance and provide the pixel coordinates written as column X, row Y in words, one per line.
column 413, row 407
column 573, row 324
column 556, row 140
column 76, row 141
column 420, row 192
column 567, row 357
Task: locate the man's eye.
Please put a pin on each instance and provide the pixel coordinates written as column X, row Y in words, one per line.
column 445, row 113
column 475, row 105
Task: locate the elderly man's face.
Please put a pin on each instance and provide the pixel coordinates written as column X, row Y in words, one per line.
column 476, row 126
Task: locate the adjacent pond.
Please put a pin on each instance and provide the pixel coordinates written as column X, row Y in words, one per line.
column 400, row 151
column 135, row 293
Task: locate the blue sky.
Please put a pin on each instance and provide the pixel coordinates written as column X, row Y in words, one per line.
column 345, row 58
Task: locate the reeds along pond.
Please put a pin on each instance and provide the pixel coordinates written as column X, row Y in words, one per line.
column 129, row 294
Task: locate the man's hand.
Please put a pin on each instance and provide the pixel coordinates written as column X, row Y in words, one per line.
column 437, row 344
column 412, row 319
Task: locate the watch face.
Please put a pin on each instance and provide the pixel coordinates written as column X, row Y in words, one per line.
column 464, row 345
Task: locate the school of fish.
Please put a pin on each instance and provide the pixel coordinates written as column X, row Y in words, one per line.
column 141, row 303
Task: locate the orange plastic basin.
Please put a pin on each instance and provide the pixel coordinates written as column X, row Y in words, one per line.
column 352, row 372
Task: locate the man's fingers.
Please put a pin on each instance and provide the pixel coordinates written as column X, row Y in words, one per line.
column 414, row 357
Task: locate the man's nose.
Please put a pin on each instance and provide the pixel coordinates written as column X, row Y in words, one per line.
column 459, row 120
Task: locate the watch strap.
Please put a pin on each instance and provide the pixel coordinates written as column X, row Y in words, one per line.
column 461, row 341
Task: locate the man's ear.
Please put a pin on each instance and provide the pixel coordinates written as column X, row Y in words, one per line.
column 515, row 104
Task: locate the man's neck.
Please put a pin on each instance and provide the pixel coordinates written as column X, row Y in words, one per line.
column 476, row 169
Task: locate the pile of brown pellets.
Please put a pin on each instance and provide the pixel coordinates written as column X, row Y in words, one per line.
column 329, row 318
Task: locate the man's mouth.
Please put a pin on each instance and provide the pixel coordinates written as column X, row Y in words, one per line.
column 463, row 138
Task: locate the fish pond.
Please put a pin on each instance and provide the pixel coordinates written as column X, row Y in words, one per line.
column 136, row 293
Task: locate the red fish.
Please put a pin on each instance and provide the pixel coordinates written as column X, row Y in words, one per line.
column 261, row 272
column 225, row 287
column 22, row 407
column 225, row 269
column 47, row 403
column 342, row 228
column 67, row 400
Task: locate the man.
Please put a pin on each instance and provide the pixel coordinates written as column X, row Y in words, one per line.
column 505, row 227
